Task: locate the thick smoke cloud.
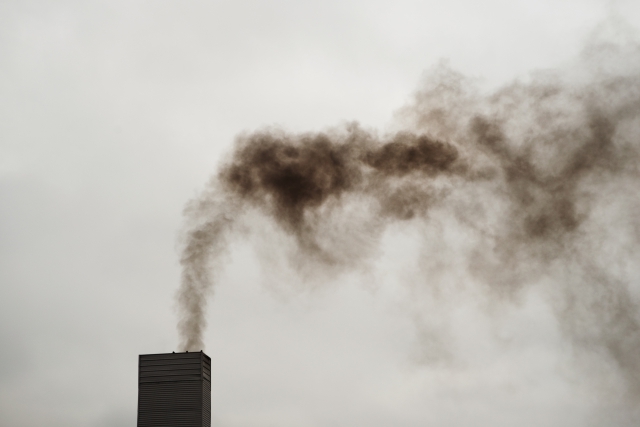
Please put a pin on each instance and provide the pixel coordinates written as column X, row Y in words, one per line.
column 544, row 174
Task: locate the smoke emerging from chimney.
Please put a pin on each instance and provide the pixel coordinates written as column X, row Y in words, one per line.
column 544, row 174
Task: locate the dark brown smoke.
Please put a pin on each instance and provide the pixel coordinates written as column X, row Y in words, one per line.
column 289, row 176
column 536, row 170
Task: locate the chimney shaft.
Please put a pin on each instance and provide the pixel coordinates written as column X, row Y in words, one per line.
column 174, row 389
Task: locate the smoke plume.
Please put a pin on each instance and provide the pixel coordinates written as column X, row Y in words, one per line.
column 543, row 173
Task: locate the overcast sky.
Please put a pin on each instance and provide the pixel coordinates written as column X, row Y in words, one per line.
column 114, row 114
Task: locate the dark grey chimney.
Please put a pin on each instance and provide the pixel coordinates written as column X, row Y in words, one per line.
column 174, row 390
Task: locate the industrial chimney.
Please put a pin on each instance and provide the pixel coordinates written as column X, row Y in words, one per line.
column 174, row 390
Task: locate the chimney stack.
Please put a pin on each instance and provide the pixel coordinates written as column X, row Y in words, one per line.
column 174, row 390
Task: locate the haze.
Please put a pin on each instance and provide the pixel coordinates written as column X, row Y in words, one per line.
column 116, row 114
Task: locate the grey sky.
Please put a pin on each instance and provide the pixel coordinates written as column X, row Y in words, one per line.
column 114, row 114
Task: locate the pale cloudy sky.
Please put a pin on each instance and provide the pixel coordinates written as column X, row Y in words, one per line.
column 114, row 114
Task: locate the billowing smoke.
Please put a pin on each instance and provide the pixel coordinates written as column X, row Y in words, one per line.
column 544, row 175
